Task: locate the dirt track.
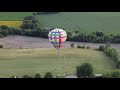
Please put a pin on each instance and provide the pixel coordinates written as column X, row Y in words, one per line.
column 15, row 41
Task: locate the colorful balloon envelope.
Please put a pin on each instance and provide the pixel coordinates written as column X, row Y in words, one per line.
column 57, row 37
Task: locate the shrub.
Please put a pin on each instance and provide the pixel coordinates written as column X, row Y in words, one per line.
column 48, row 75
column 26, row 76
column 37, row 75
column 83, row 46
column 13, row 76
column 108, row 75
column 88, row 47
column 118, row 65
column 1, row 46
column 101, row 48
column 78, row 46
column 85, row 70
column 72, row 45
column 115, row 74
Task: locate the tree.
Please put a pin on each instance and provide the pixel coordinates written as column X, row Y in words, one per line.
column 72, row 45
column 48, row 75
column 101, row 48
column 26, row 76
column 85, row 70
column 37, row 75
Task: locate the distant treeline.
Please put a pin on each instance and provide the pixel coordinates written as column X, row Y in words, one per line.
column 39, row 13
column 31, row 27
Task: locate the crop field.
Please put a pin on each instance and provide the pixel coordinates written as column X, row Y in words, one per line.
column 108, row 22
column 13, row 16
column 15, row 24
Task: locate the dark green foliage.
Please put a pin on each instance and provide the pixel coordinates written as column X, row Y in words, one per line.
column 112, row 53
column 72, row 45
column 30, row 22
column 118, row 64
column 107, row 75
column 78, row 46
column 1, row 46
column 101, row 48
column 37, row 75
column 84, row 70
column 48, row 75
column 27, row 76
column 13, row 76
column 115, row 74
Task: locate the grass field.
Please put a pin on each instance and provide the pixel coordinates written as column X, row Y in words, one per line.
column 31, row 61
column 13, row 16
column 15, row 24
column 108, row 22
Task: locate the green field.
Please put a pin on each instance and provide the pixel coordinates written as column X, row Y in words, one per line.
column 13, row 16
column 31, row 61
column 108, row 22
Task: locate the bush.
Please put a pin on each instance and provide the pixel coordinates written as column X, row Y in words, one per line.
column 78, row 46
column 1, row 46
column 26, row 76
column 101, row 48
column 72, row 45
column 37, row 75
column 13, row 76
column 48, row 75
column 108, row 75
column 83, row 46
column 118, row 65
column 115, row 74
column 85, row 70
column 88, row 47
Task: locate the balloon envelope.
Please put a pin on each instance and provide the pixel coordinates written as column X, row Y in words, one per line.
column 57, row 37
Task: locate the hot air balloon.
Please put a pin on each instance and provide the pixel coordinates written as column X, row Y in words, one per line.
column 57, row 37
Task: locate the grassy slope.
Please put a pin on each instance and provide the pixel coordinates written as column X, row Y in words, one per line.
column 31, row 61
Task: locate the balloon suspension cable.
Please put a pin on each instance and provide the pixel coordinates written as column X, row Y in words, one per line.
column 58, row 54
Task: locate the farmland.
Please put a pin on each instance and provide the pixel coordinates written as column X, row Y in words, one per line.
column 13, row 16
column 30, row 61
column 22, row 55
column 108, row 22
column 15, row 24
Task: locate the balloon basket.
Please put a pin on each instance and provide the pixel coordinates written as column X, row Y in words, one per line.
column 60, row 57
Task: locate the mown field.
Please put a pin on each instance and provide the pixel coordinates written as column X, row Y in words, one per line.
column 30, row 61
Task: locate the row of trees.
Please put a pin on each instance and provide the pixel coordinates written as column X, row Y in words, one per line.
column 94, row 37
column 47, row 75
column 112, row 53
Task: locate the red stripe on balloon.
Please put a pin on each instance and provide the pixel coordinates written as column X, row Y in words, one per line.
column 59, row 39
